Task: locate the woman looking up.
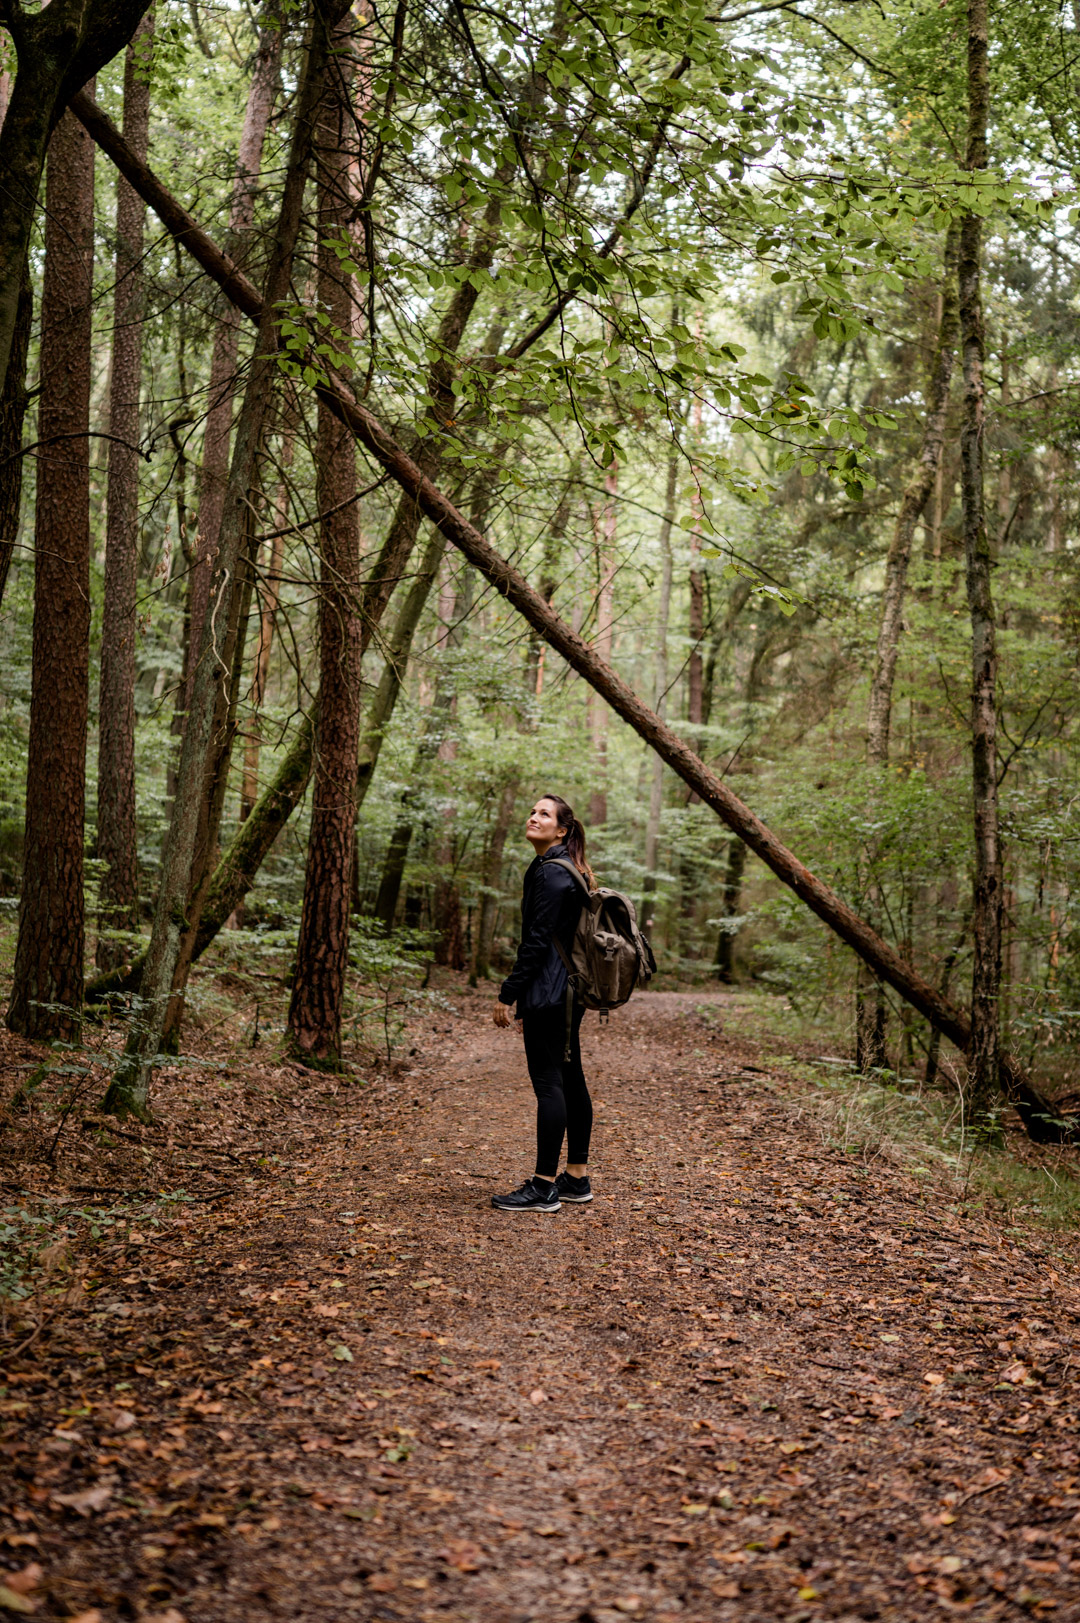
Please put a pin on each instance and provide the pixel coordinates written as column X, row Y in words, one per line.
column 551, row 905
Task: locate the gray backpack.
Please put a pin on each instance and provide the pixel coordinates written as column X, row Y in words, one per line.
column 609, row 957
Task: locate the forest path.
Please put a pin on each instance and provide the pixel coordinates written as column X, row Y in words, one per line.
column 757, row 1379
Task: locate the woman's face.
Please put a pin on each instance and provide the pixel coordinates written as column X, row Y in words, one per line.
column 542, row 828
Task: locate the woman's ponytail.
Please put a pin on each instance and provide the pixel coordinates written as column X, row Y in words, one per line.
column 574, row 838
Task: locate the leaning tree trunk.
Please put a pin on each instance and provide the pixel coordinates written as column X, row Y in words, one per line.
column 129, row 1091
column 420, row 491
column 117, row 840
column 318, row 994
column 46, row 995
column 984, row 1054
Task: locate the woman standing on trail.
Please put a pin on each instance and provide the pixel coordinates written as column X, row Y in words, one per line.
column 550, row 908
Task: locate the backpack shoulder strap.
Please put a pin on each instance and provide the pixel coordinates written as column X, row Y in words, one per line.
column 563, row 862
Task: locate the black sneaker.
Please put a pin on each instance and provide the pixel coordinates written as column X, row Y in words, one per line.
column 575, row 1191
column 531, row 1197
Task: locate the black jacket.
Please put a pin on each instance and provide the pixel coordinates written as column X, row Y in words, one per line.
column 551, row 901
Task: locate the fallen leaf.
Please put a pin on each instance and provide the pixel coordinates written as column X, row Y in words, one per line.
column 86, row 1502
column 463, row 1555
column 342, row 1353
column 888, row 1338
column 382, row 1582
column 93, row 1616
column 12, row 1602
column 627, row 1603
column 1016, row 1374
column 123, row 1420
column 26, row 1580
column 171, row 1616
column 932, row 1378
column 538, row 1396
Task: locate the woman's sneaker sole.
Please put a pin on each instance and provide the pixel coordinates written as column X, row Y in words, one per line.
column 575, row 1200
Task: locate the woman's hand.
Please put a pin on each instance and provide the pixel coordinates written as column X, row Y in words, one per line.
column 501, row 1015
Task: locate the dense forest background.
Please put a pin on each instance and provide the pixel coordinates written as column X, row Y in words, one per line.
column 659, row 297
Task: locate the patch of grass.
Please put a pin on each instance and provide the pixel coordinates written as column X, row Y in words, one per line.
column 898, row 1119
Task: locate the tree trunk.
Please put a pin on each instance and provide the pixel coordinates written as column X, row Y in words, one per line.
column 381, row 710
column 314, row 1025
column 731, row 899
column 663, row 614
column 602, row 641
column 117, row 842
column 129, row 1091
column 871, row 1011
column 984, row 1055
column 46, row 995
column 14, row 400
column 57, row 49
column 490, row 877
column 249, row 791
column 916, row 495
column 420, row 492
column 214, row 472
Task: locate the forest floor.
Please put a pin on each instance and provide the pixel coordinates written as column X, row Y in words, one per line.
column 305, row 1371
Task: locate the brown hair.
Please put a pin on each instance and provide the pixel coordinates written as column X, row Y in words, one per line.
column 574, row 839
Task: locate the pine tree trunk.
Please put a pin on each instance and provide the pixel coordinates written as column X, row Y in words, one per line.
column 381, row 710
column 214, row 472
column 602, row 641
column 129, row 1091
column 984, row 1053
column 731, row 900
column 14, row 400
column 314, row 1025
column 46, row 996
column 491, row 875
column 58, row 47
column 916, row 495
column 663, row 614
column 117, row 844
column 249, row 792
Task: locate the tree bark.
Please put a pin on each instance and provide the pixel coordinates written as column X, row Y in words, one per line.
column 58, row 48
column 663, row 615
column 421, row 492
column 731, row 897
column 984, row 1055
column 916, row 495
column 249, row 792
column 117, row 841
column 129, row 1091
column 46, row 994
column 214, row 471
column 490, row 877
column 602, row 641
column 14, row 400
column 381, row 710
column 314, row 1024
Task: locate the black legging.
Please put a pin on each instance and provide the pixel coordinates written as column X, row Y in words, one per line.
column 563, row 1106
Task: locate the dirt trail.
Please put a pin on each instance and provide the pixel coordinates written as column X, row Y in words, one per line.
column 753, row 1381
